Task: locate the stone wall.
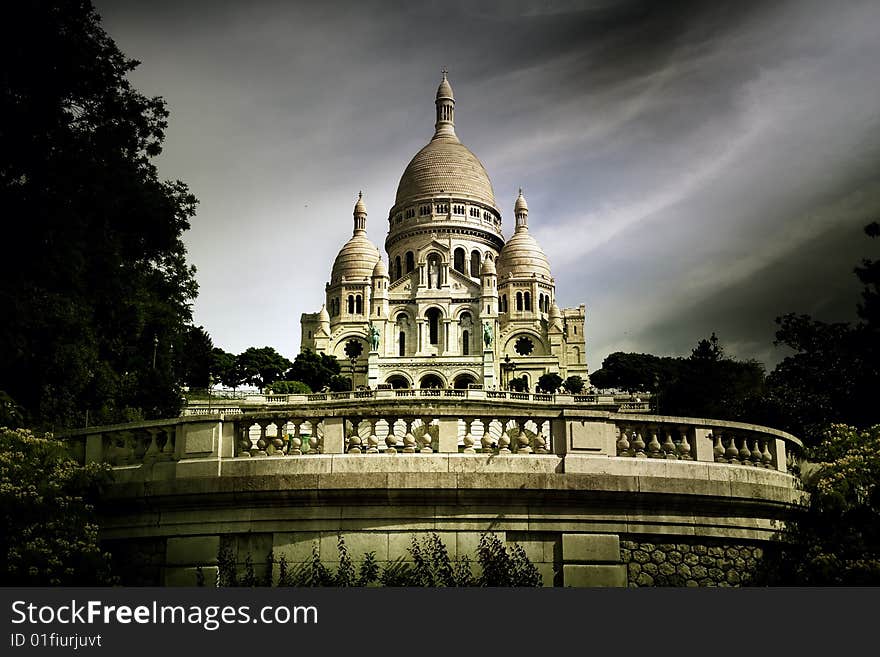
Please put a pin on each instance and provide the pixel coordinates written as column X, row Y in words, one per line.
column 694, row 563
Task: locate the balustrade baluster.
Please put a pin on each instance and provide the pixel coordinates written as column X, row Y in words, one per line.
column 139, row 447
column 425, row 442
column 409, row 440
column 391, row 439
column 373, row 440
column 718, row 448
column 638, row 445
column 766, row 456
column 152, row 453
column 244, row 439
column 504, row 439
column 318, row 438
column 354, row 439
column 294, row 444
column 623, row 448
column 654, row 449
column 524, row 446
column 744, row 452
column 754, row 453
column 669, row 449
column 539, row 443
column 731, row 454
column 262, row 443
column 276, row 445
column 468, row 439
column 486, row 440
column 167, row 453
column 684, row 447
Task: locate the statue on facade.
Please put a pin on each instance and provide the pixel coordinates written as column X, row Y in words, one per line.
column 374, row 337
column 432, row 275
column 487, row 334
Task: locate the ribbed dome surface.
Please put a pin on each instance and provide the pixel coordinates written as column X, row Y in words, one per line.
column 355, row 260
column 445, row 166
column 521, row 256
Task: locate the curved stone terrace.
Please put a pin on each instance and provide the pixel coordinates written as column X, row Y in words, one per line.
column 562, row 477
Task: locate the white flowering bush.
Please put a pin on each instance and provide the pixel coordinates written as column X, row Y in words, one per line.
column 49, row 535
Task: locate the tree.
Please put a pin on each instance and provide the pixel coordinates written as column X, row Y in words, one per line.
column 315, row 370
column 94, row 282
column 836, row 540
column 518, row 384
column 709, row 384
column 261, row 367
column 197, row 358
column 834, row 373
column 631, row 372
column 49, row 535
column 339, row 383
column 573, row 384
column 224, row 368
column 549, row 382
column 288, row 388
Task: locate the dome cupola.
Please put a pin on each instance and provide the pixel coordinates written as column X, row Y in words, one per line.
column 445, row 167
column 357, row 257
column 521, row 256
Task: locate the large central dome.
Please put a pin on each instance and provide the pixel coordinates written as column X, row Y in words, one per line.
column 445, row 167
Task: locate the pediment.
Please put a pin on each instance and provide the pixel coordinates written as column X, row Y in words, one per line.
column 459, row 281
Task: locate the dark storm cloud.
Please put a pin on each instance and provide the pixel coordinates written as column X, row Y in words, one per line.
column 689, row 167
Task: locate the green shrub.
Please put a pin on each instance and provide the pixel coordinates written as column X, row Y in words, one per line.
column 430, row 566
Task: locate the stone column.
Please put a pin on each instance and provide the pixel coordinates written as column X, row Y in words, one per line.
column 420, row 328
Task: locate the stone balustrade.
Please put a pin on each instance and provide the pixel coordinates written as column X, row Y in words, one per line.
column 433, row 421
column 607, row 402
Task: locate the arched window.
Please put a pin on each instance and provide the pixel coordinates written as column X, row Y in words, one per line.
column 541, row 303
column 475, row 263
column 350, row 304
column 519, row 300
column 358, row 305
column 397, row 270
column 504, row 303
column 575, row 329
column 465, row 343
column 401, row 350
column 433, row 316
column 410, row 262
column 528, row 300
column 458, row 260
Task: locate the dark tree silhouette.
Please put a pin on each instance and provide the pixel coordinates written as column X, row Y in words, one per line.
column 94, row 283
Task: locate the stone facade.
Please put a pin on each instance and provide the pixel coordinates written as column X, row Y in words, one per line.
column 457, row 305
column 695, row 563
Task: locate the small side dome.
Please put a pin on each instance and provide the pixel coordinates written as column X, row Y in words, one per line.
column 488, row 267
column 380, row 270
column 323, row 316
column 521, row 257
column 555, row 312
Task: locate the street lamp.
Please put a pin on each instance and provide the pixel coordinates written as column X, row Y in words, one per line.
column 509, row 368
column 352, row 360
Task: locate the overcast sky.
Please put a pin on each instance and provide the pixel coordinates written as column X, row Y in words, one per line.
column 689, row 167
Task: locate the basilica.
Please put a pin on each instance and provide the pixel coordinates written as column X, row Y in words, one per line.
column 456, row 306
